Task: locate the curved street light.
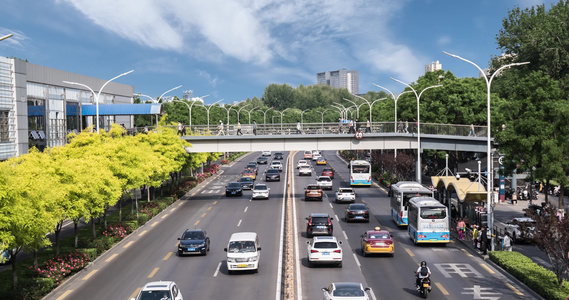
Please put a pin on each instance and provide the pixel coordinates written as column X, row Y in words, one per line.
column 322, row 122
column 370, row 105
column 301, row 114
column 228, row 110
column 249, row 112
column 265, row 115
column 239, row 110
column 189, row 109
column 282, row 118
column 356, row 105
column 99, row 93
column 395, row 99
column 6, row 36
column 344, row 109
column 489, row 136
column 207, row 108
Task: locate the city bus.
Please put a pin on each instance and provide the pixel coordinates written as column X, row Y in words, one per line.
column 400, row 194
column 360, row 173
column 428, row 221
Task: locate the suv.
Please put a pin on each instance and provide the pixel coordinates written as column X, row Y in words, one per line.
column 158, row 289
column 313, row 191
column 305, row 170
column 262, row 160
column 346, row 194
column 325, row 182
column 277, row 165
column 301, row 163
column 319, row 224
column 233, row 188
column 193, row 241
column 325, row 250
column 279, row 155
column 272, row 175
column 266, row 153
column 246, row 182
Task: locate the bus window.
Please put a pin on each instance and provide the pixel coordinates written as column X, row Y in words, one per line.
column 433, row 213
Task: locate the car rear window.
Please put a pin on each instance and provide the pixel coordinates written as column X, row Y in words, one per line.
column 324, row 179
column 319, row 220
column 312, row 187
column 346, row 191
column 321, row 245
column 272, row 171
column 349, row 293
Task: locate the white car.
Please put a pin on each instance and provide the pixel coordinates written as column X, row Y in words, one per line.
column 301, row 163
column 345, row 291
column 324, row 250
column 260, row 191
column 305, row 170
column 277, row 165
column 324, row 182
column 159, row 290
column 345, row 194
column 316, row 156
column 266, row 153
column 520, row 229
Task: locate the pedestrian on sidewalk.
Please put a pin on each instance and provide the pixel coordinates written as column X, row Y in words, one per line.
column 475, row 233
column 507, row 242
column 460, row 227
column 484, row 240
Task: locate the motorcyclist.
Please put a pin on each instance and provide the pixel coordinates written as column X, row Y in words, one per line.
column 422, row 272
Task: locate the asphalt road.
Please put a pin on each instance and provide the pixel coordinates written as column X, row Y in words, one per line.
column 150, row 253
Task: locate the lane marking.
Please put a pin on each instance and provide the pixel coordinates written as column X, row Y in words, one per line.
column 409, row 252
column 154, row 224
column 142, row 233
column 111, row 258
column 203, row 215
column 487, row 268
column 372, row 294
column 90, row 274
column 164, row 216
column 197, row 222
column 331, row 206
column 128, row 244
column 179, row 204
column 466, row 252
column 239, row 224
column 153, row 273
column 173, row 209
column 246, row 209
column 443, row 290
column 217, row 270
column 209, row 208
column 214, row 203
column 357, row 261
column 337, row 219
column 168, row 255
column 518, row 292
column 64, row 294
column 135, row 293
column 345, row 235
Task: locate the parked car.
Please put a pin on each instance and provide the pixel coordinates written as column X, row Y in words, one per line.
column 302, row 163
column 246, row 182
column 377, row 241
column 260, row 191
column 305, row 170
column 193, row 241
column 272, row 175
column 345, row 290
column 266, row 153
column 319, row 224
column 276, row 165
column 327, row 172
column 345, row 194
column 313, row 192
column 520, row 229
column 279, row 155
column 357, row 212
column 233, row 189
column 262, row 160
column 159, row 290
column 324, row 250
column 324, row 182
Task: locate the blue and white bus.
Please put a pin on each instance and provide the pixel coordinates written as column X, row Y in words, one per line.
column 428, row 221
column 360, row 173
column 400, row 194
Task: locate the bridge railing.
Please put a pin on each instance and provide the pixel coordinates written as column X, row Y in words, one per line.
column 333, row 128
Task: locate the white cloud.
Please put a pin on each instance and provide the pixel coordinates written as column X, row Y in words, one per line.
column 398, row 60
column 211, row 79
column 444, row 40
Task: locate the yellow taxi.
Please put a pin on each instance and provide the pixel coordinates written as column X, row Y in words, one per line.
column 377, row 241
column 249, row 173
column 321, row 161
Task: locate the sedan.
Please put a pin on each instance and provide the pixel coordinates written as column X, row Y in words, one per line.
column 266, row 153
column 193, row 241
column 345, row 194
column 162, row 289
column 345, row 290
column 305, row 170
column 277, row 165
column 328, row 172
column 377, row 241
column 324, row 182
column 260, row 191
column 262, row 160
column 278, row 155
column 302, row 163
column 357, row 212
column 250, row 173
column 321, row 161
column 324, row 250
column 246, row 183
column 272, row 175
column 233, row 189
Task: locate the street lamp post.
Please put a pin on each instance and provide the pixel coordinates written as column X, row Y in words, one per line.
column 249, row 112
column 6, row 37
column 265, row 115
column 189, row 110
column 207, row 108
column 282, row 118
column 357, row 107
column 160, row 98
column 370, row 105
column 418, row 170
column 301, row 114
column 395, row 99
column 344, row 110
column 99, row 93
column 228, row 110
column 322, row 113
column 489, row 136
column 239, row 110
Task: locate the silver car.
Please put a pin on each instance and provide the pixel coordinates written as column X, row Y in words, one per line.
column 345, row 194
column 324, row 182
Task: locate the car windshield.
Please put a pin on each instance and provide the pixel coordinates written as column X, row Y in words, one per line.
column 278, row 154
column 241, row 246
column 260, row 187
column 154, row 295
column 349, row 293
column 358, row 207
column 313, row 187
column 193, row 235
column 234, row 185
column 321, row 245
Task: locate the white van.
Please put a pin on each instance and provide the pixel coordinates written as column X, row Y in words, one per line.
column 243, row 252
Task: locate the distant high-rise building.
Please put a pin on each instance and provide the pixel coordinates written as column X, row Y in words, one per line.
column 189, row 94
column 433, row 66
column 347, row 79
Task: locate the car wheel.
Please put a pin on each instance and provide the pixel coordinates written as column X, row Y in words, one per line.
column 204, row 253
column 339, row 264
column 180, row 253
column 364, row 252
column 308, row 235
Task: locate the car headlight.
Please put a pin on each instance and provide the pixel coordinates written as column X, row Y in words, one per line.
column 200, row 245
column 253, row 258
column 231, row 259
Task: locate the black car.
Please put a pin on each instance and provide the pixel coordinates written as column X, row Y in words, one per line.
column 194, row 241
column 246, row 183
column 319, row 224
column 357, row 212
column 262, row 160
column 278, row 155
column 233, row 189
column 272, row 175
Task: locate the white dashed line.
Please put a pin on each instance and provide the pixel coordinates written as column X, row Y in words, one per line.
column 217, row 270
column 239, row 224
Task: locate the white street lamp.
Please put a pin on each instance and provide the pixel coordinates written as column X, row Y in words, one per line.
column 322, row 113
column 282, row 118
column 489, row 136
column 239, row 110
column 370, row 105
column 189, row 109
column 265, row 115
column 228, row 110
column 6, row 37
column 418, row 170
column 99, row 93
column 159, row 98
column 395, row 99
column 301, row 114
column 207, row 108
column 344, row 110
column 356, row 105
column 249, row 112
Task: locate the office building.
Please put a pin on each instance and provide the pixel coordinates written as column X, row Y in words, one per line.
column 347, row 79
column 433, row 66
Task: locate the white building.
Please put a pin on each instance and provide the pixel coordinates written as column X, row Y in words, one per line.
column 347, row 79
column 433, row 66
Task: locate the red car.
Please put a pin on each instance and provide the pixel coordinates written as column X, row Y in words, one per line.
column 328, row 172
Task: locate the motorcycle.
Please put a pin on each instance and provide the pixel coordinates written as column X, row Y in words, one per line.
column 425, row 287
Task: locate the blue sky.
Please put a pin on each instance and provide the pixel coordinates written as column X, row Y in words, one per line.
column 233, row 49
